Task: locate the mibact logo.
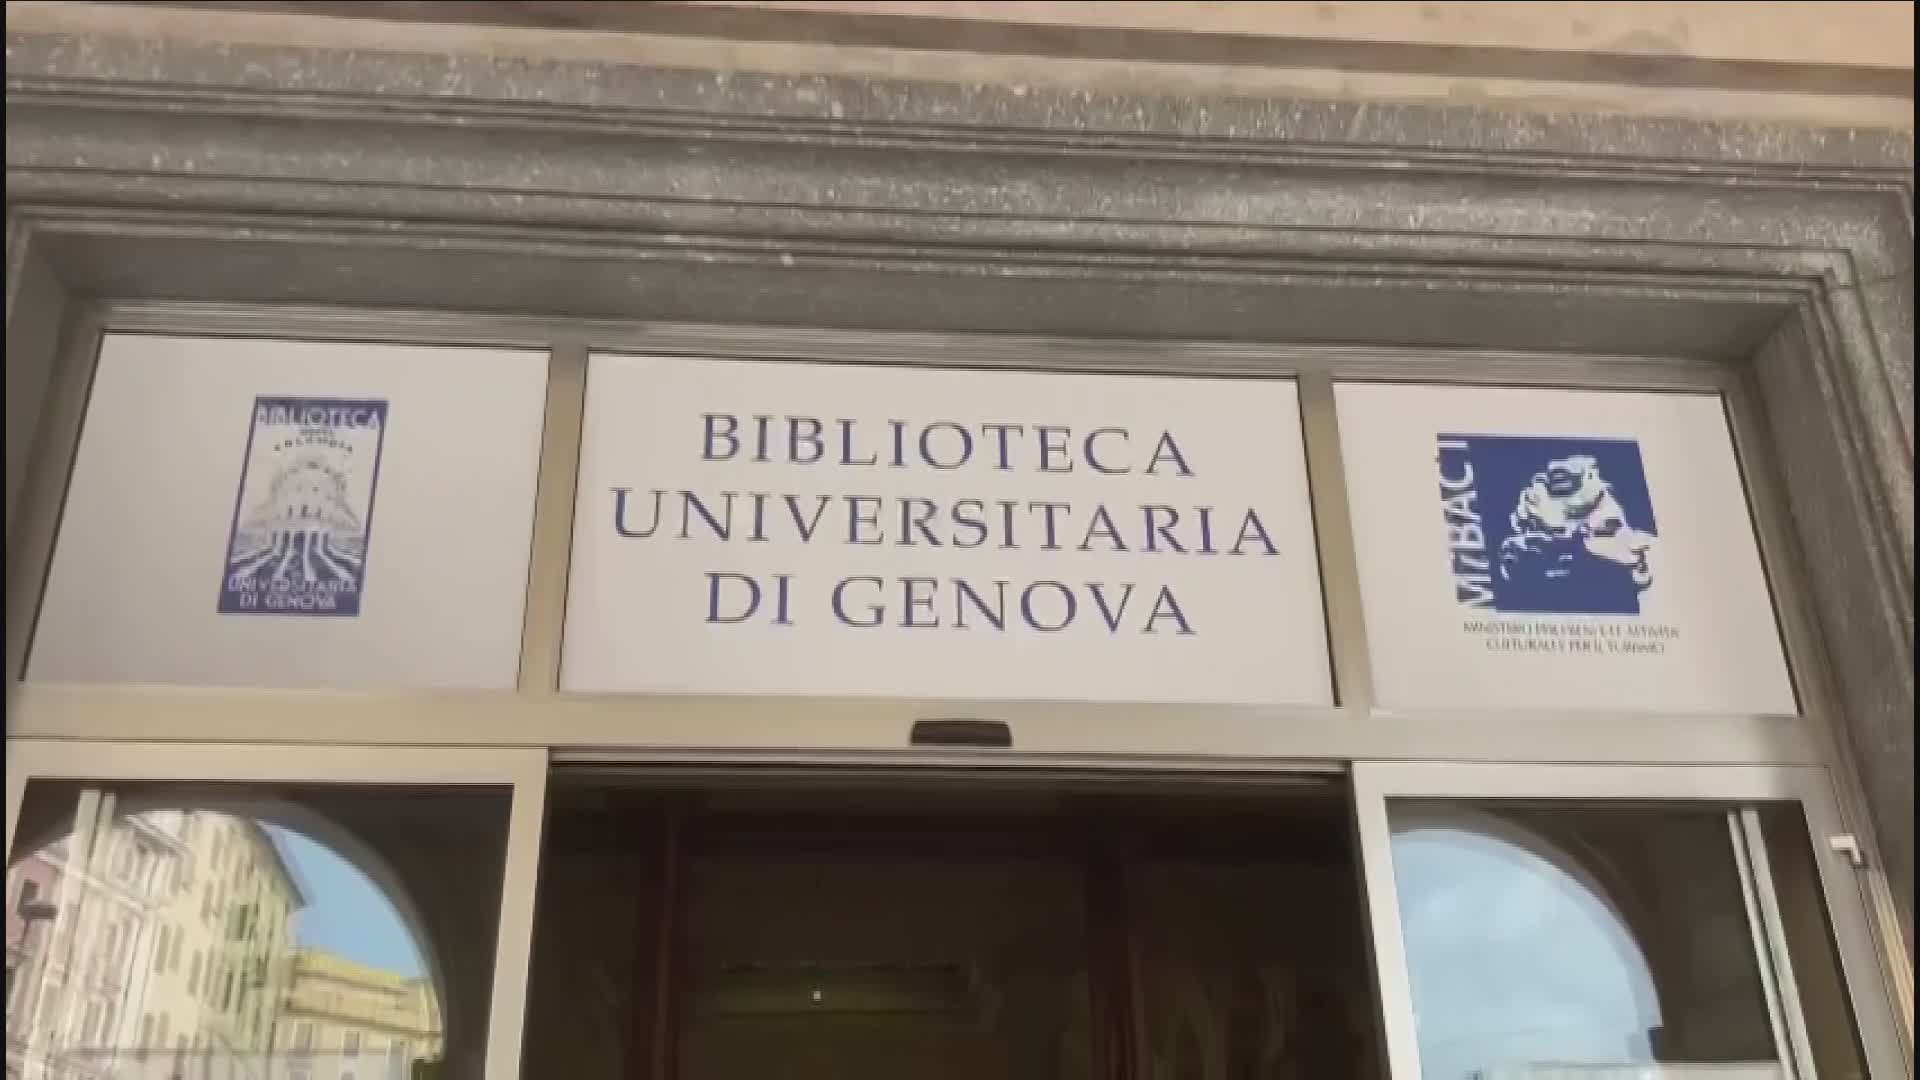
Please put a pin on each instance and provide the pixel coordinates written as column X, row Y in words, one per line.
column 1547, row 525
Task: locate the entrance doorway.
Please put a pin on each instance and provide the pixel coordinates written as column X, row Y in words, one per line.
column 848, row 931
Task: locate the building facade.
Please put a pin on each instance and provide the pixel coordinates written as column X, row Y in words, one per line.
column 343, row 1019
column 824, row 540
column 176, row 956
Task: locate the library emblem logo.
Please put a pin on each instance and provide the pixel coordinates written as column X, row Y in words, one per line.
column 304, row 511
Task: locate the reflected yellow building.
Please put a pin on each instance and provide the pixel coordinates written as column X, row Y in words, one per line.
column 346, row 1021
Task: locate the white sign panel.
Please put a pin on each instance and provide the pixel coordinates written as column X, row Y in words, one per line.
column 816, row 529
column 1557, row 549
column 297, row 514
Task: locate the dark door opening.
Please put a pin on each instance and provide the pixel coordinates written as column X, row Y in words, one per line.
column 947, row 933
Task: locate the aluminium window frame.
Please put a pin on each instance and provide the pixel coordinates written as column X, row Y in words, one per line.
column 1873, row 1008
column 522, row 771
column 827, row 730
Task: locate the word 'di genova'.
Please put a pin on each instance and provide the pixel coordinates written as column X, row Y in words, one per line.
column 847, row 448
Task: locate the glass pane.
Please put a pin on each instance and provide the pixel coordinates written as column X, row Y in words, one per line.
column 877, row 967
column 230, row 932
column 596, row 947
column 1580, row 942
column 1255, row 970
column 709, row 935
column 1833, row 1038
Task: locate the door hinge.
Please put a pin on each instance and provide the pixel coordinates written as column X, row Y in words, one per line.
column 1848, row 845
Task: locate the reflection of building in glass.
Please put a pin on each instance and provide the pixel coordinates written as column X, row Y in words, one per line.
column 152, row 945
column 347, row 1021
column 30, row 889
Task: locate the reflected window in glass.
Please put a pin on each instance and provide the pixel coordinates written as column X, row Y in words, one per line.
column 1600, row 941
column 392, row 894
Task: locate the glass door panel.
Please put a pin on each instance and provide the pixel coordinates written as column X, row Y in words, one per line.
column 1525, row 933
column 1251, row 960
column 877, row 966
column 244, row 913
column 809, row 933
column 1252, row 971
column 1608, row 939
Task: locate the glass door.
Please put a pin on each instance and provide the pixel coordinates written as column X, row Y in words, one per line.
column 1617, row 923
column 966, row 930
column 228, row 912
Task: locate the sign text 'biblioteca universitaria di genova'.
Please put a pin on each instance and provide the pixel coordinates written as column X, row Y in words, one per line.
column 935, row 521
column 865, row 601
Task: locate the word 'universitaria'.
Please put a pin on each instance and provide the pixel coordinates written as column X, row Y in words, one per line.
column 1002, row 524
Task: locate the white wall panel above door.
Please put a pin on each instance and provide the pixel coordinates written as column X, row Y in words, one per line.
column 1557, row 549
column 269, row 513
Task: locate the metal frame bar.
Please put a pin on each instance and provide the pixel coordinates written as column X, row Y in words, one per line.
column 552, row 543
column 914, row 348
column 1750, row 843
column 1375, row 783
column 1781, row 1004
column 873, row 731
column 521, row 770
column 1352, row 661
column 68, row 390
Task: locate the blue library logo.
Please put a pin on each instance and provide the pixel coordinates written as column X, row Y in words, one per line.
column 304, row 511
column 1547, row 525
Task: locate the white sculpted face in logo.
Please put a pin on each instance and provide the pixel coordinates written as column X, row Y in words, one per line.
column 1569, row 530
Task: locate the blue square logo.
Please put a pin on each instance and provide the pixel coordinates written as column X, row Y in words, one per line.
column 304, row 512
column 1547, row 525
